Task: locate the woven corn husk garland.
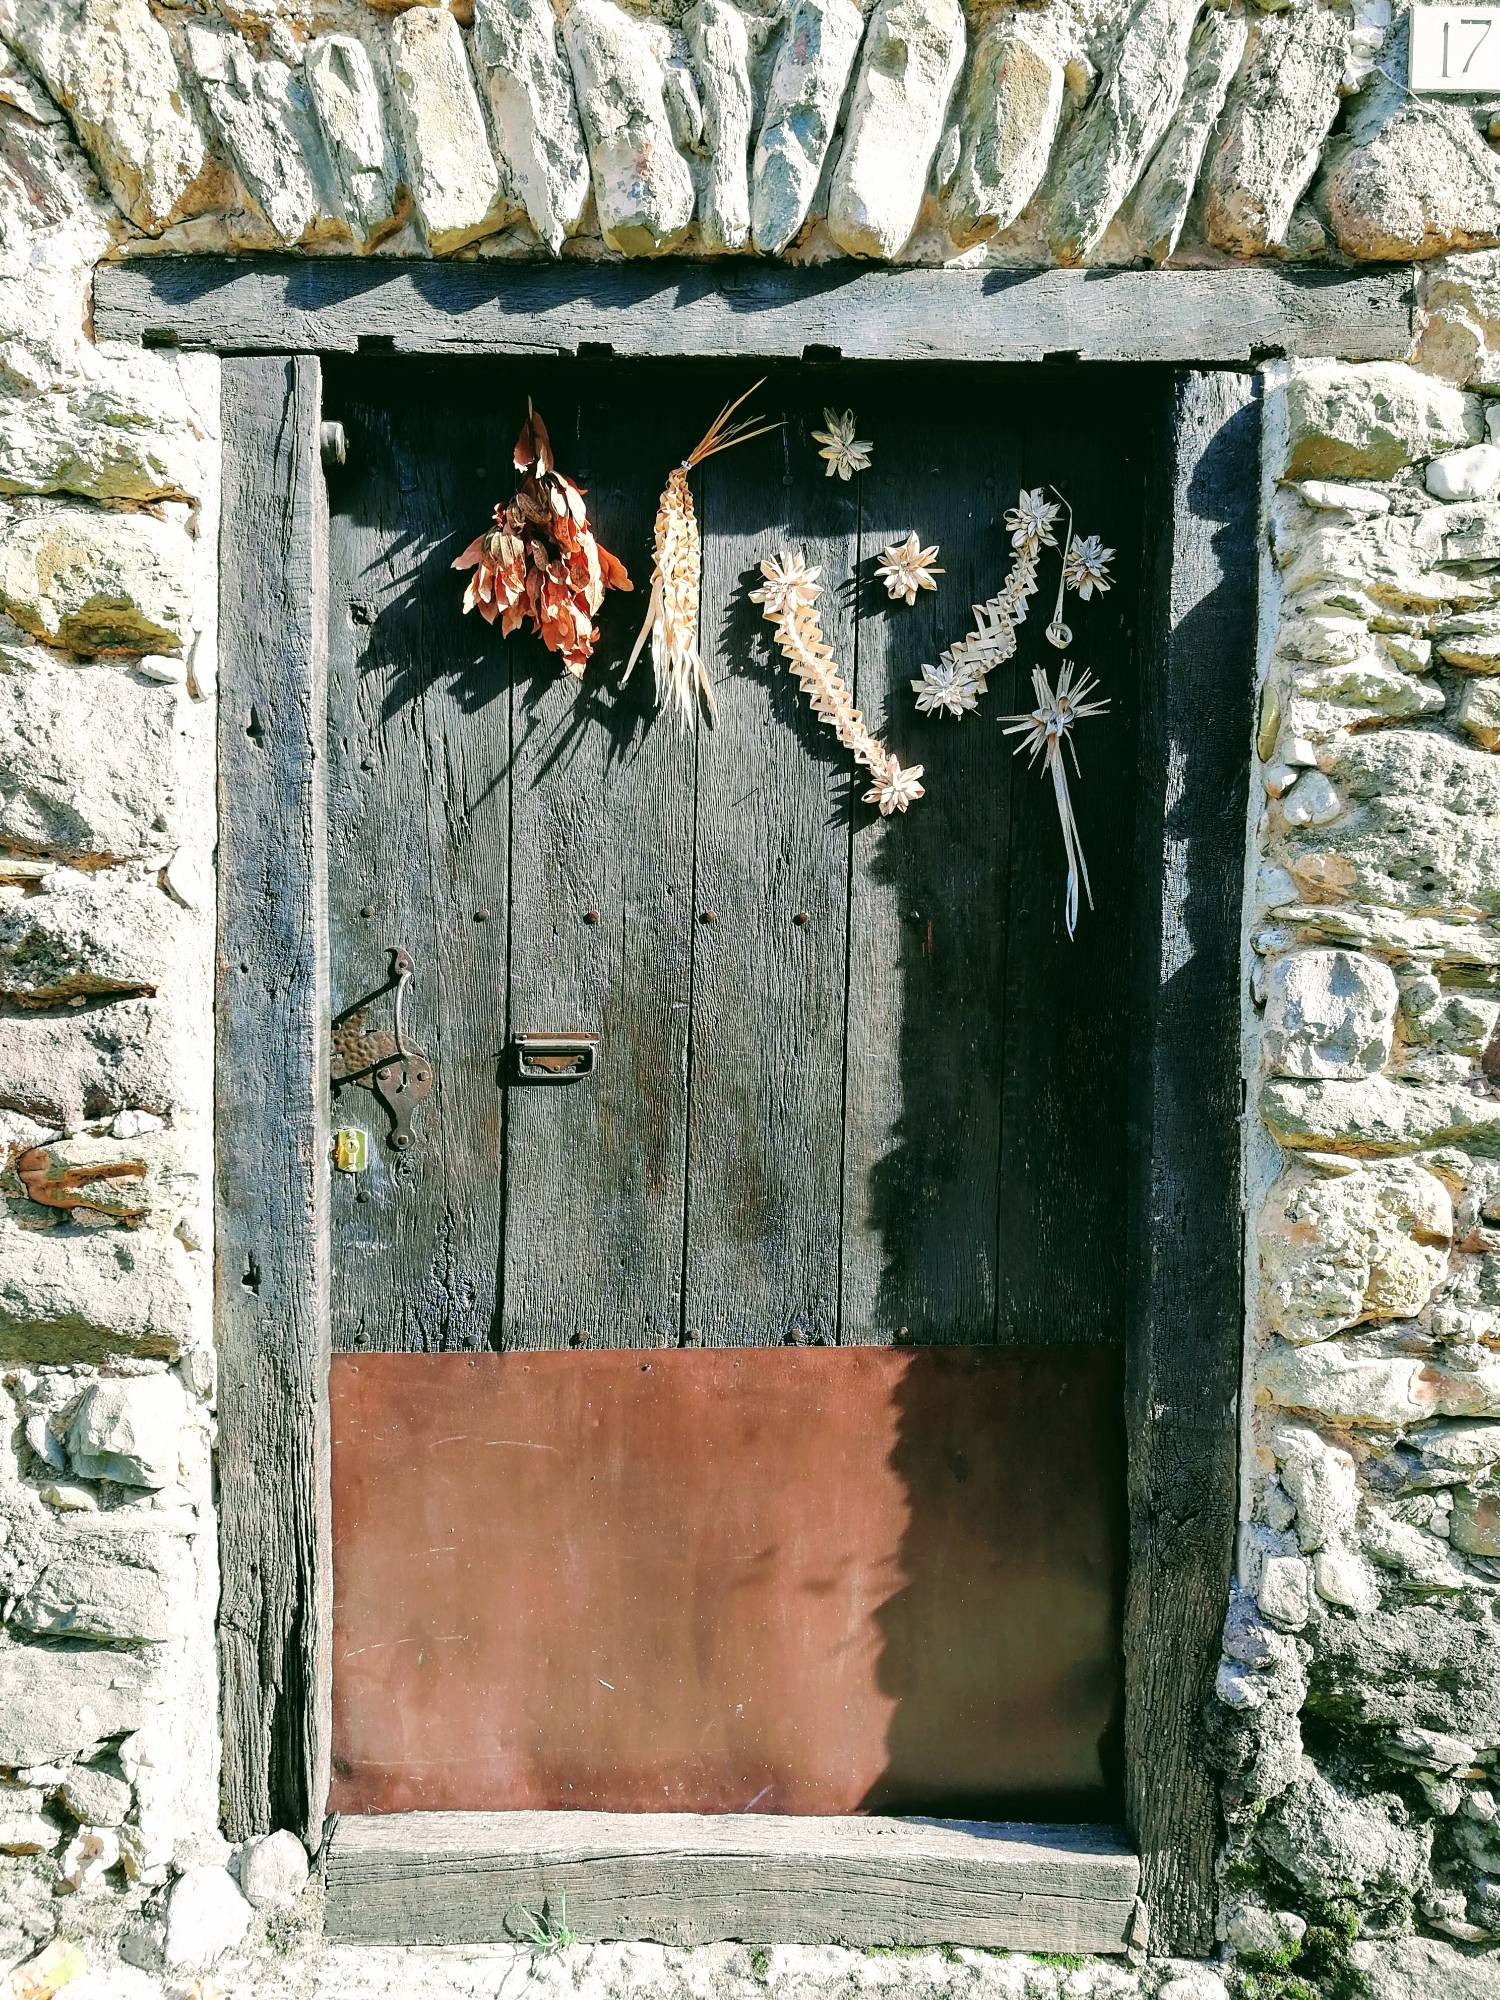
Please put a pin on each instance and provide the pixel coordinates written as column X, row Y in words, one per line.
column 789, row 599
column 676, row 574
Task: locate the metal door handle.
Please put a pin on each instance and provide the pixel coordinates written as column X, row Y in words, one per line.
column 404, row 1079
column 556, row 1058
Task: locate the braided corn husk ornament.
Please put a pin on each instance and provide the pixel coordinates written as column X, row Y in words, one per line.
column 676, row 573
column 789, row 598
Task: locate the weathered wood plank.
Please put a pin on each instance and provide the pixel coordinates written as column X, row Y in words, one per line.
column 1064, row 1165
column 271, row 1271
column 601, row 928
column 766, row 1076
column 927, row 1054
column 753, row 310
column 419, row 842
column 675, row 1878
column 1187, row 1297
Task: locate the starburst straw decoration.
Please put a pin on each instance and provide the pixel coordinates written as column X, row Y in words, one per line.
column 789, row 599
column 1044, row 733
column 540, row 563
column 844, row 452
column 906, row 567
column 676, row 573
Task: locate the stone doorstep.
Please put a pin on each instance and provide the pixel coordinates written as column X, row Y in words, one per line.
column 688, row 1879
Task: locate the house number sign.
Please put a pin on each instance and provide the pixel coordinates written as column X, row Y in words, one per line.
column 1454, row 48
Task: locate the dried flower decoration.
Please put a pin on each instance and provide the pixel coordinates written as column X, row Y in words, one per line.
column 1085, row 566
column 540, row 563
column 1044, row 733
column 676, row 573
column 1030, row 521
column 789, row 599
column 907, row 568
column 844, row 452
column 949, row 688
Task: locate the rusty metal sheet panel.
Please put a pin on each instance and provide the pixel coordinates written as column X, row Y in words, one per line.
column 769, row 1580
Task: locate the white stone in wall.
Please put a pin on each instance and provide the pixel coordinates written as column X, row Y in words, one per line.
column 458, row 189
column 93, row 581
column 1012, row 103
column 720, row 41
column 1478, row 713
column 1285, row 1591
column 92, row 1296
column 1368, row 421
column 129, row 1430
column 273, row 1870
column 1161, row 201
column 1322, row 1483
column 1104, row 154
column 913, row 52
column 360, row 151
column 91, row 763
column 109, row 63
column 1422, row 830
column 1379, row 1116
column 519, row 55
column 120, row 1588
column 1272, row 133
column 1470, row 474
column 56, row 1706
column 1423, row 184
column 206, row 1917
column 809, row 76
column 84, row 933
column 643, row 189
column 1328, row 1013
column 266, row 125
column 1460, row 320
column 1338, row 1250
column 125, row 435
column 93, row 1796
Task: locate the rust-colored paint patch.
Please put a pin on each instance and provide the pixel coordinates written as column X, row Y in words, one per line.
column 741, row 1580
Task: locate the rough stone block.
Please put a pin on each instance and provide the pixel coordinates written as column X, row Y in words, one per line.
column 109, row 63
column 1423, row 183
column 84, row 934
column 94, row 1796
column 360, row 152
column 126, row 435
column 1417, row 1968
column 1422, row 829
column 1012, row 103
column 97, row 582
column 809, row 75
column 1285, row 1592
column 1470, row 474
column 913, row 52
column 120, row 1588
column 1120, row 128
column 1271, row 136
column 1460, row 320
column 57, row 1705
column 61, row 1069
column 720, row 41
column 1366, row 420
column 1161, row 201
column 518, row 52
column 1333, row 1842
column 89, row 1297
column 1338, row 1249
column 1320, row 1480
column 1378, row 1115
column 1478, row 713
column 1328, row 1013
column 90, row 764
column 266, row 124
column 456, row 184
column 129, row 1429
column 273, row 1870
column 1476, row 1522
column 643, row 189
column 206, row 1917
column 1329, row 1380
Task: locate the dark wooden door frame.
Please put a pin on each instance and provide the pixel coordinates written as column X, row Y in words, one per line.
column 1183, row 1367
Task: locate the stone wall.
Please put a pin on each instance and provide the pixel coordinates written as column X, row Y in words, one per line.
column 1358, row 1712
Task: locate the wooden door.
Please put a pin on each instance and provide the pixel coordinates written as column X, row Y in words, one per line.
column 855, row 1089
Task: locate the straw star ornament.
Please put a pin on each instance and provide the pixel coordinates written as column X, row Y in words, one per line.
column 1045, row 733
column 845, row 453
column 906, row 567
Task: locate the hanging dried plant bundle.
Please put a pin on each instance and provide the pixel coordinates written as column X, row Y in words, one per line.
column 540, row 564
column 1044, row 733
column 676, row 571
column 961, row 676
column 789, row 598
